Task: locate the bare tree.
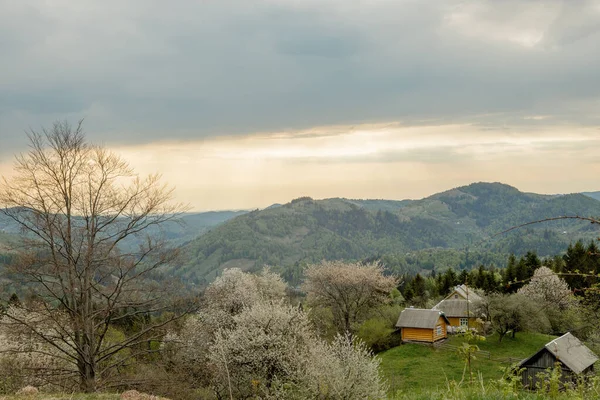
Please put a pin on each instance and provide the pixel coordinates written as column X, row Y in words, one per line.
column 350, row 290
column 76, row 204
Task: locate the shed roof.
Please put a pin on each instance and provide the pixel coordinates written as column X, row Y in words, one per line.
column 570, row 351
column 456, row 308
column 419, row 318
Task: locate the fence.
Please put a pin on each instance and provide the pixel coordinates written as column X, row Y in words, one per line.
column 479, row 353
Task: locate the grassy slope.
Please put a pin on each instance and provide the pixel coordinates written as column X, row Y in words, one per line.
column 414, row 371
column 421, row 368
column 63, row 396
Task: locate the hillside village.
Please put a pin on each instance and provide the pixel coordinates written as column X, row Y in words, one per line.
column 456, row 314
column 97, row 296
column 85, row 310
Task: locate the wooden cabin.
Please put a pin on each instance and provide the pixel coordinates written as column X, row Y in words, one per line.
column 574, row 357
column 459, row 307
column 422, row 325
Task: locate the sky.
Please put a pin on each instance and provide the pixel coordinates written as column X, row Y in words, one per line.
column 241, row 104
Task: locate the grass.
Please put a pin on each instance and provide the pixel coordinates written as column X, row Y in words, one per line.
column 63, row 396
column 522, row 346
column 418, row 371
column 420, row 368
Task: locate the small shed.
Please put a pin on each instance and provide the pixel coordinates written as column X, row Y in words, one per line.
column 574, row 357
column 422, row 325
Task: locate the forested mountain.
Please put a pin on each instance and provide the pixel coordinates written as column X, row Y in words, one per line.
column 448, row 229
column 458, row 224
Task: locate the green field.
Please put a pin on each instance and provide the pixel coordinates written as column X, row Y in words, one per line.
column 421, row 372
column 420, row 368
column 63, row 396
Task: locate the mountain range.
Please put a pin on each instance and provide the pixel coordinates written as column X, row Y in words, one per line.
column 445, row 227
column 458, row 228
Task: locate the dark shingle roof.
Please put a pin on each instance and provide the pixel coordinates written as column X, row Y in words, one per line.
column 419, row 318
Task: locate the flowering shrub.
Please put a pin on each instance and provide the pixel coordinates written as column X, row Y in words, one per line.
column 247, row 342
column 26, row 359
column 225, row 298
column 273, row 353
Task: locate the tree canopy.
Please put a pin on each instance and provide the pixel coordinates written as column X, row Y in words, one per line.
column 348, row 289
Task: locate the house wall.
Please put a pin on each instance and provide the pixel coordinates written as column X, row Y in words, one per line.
column 455, row 296
column 441, row 323
column 417, row 334
column 543, row 360
column 455, row 321
column 425, row 335
column 539, row 365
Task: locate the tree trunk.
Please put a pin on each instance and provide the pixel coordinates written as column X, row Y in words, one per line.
column 347, row 322
column 87, row 378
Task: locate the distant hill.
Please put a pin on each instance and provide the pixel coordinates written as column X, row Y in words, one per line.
column 189, row 226
column 593, row 195
column 307, row 230
column 9, row 234
column 185, row 228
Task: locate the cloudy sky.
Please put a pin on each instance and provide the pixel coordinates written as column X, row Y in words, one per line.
column 241, row 104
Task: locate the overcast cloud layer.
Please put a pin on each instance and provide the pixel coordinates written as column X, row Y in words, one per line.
column 142, row 71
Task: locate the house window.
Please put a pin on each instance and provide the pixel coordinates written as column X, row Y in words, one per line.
column 464, row 322
column 456, row 296
column 438, row 330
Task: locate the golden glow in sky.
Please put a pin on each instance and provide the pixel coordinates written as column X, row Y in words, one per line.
column 369, row 161
column 241, row 104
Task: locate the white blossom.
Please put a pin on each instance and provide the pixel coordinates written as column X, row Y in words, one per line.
column 273, row 353
column 225, row 298
column 549, row 288
column 350, row 290
column 247, row 342
column 30, row 355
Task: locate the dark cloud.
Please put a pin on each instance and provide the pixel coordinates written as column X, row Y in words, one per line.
column 145, row 70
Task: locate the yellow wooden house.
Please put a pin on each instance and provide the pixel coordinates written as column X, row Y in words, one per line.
column 459, row 307
column 422, row 325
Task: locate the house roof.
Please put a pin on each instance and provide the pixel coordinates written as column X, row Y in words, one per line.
column 419, row 318
column 455, row 308
column 570, row 351
column 465, row 292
